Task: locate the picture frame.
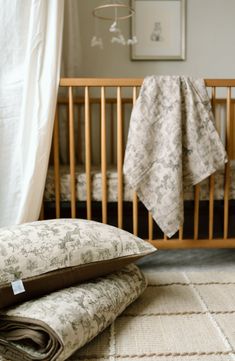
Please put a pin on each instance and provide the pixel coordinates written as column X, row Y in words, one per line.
column 159, row 26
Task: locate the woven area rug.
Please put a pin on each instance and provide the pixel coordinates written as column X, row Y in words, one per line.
column 182, row 316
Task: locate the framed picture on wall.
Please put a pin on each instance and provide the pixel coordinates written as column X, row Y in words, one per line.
column 159, row 26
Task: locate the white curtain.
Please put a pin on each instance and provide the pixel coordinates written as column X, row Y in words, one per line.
column 30, row 48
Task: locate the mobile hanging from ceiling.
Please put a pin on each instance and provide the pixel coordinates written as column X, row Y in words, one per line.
column 114, row 12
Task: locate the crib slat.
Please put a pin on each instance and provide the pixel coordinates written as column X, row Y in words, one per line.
column 196, row 210
column 112, row 132
column 56, row 164
column 42, row 215
column 120, row 157
column 135, row 214
column 150, row 226
column 212, row 180
column 211, row 205
column 135, row 198
column 79, row 135
column 72, row 154
column 103, row 156
column 181, row 230
column 227, row 166
column 91, row 133
column 181, row 233
column 88, row 152
column 67, row 132
column 232, row 130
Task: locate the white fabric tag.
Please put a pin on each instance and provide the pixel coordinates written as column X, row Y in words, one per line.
column 17, row 287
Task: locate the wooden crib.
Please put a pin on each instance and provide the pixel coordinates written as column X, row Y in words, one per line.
column 110, row 98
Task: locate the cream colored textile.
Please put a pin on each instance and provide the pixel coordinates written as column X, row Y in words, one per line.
column 172, row 143
column 52, row 254
column 181, row 316
column 112, row 185
column 54, row 326
column 30, row 43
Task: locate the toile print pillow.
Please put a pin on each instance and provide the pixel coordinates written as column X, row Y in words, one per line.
column 41, row 257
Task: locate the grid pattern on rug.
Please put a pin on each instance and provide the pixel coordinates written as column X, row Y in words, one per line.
column 182, row 316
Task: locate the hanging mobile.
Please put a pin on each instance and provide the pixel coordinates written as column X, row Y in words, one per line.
column 100, row 12
column 96, row 39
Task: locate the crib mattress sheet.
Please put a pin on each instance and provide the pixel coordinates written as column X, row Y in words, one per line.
column 112, row 185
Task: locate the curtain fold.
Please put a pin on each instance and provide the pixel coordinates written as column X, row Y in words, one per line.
column 31, row 42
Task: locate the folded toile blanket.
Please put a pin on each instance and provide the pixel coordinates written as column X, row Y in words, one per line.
column 172, row 143
column 54, row 326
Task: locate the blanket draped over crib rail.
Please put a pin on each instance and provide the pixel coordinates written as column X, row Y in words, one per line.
column 172, row 143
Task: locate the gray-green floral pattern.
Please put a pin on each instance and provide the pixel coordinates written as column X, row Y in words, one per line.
column 112, row 185
column 172, row 143
column 32, row 249
column 81, row 188
column 62, row 322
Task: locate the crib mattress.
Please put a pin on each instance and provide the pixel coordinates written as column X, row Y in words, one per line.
column 112, row 185
column 81, row 191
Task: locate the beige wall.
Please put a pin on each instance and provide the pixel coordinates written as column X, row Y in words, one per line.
column 210, row 45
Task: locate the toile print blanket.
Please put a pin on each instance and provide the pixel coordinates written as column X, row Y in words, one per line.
column 172, row 143
column 54, row 326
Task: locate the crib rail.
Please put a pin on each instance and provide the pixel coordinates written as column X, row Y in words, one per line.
column 130, row 82
column 119, row 100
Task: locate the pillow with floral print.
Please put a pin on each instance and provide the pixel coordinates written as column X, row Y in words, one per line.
column 41, row 257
